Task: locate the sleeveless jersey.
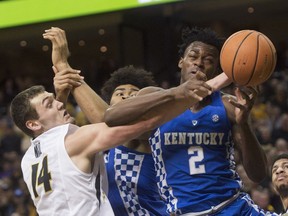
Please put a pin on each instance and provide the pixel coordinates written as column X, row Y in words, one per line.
column 132, row 183
column 194, row 159
column 56, row 185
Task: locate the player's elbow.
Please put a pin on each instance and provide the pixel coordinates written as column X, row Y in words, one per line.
column 112, row 117
column 258, row 175
column 109, row 119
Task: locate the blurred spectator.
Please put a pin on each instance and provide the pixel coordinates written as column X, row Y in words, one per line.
column 11, row 141
column 281, row 145
column 281, row 127
column 261, row 197
column 280, row 97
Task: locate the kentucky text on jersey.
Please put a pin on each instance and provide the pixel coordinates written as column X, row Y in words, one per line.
column 178, row 138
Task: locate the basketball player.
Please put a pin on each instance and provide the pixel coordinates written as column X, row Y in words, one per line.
column 130, row 167
column 194, row 153
column 279, row 175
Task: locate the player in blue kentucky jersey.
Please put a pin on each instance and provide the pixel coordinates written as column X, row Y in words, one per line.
column 194, row 152
column 130, row 167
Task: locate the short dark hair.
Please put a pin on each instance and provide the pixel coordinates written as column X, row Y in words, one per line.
column 205, row 35
column 279, row 157
column 127, row 75
column 21, row 109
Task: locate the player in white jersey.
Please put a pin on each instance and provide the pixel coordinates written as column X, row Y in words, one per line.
column 52, row 177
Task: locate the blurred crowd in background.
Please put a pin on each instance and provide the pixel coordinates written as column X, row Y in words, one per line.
column 269, row 117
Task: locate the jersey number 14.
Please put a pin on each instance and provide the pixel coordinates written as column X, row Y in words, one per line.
column 41, row 177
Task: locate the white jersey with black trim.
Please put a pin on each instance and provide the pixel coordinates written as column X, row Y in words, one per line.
column 56, row 185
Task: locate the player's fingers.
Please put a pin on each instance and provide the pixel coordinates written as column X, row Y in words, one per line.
column 201, row 76
column 236, row 104
column 68, row 79
column 240, row 94
column 63, row 87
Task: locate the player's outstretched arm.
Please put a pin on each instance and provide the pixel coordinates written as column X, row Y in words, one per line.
column 251, row 153
column 165, row 103
column 219, row 82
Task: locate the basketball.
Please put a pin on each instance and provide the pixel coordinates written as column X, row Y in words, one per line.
column 248, row 58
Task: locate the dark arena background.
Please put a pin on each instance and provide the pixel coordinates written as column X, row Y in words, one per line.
column 105, row 35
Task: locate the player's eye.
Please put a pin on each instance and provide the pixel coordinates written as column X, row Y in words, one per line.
column 209, row 60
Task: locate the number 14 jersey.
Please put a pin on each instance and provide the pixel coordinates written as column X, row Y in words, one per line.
column 56, row 185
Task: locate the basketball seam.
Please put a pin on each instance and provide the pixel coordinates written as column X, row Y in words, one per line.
column 234, row 59
column 223, row 48
column 256, row 60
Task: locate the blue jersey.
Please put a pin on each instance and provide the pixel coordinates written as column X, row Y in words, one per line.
column 132, row 183
column 194, row 159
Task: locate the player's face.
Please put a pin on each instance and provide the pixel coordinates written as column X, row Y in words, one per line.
column 123, row 92
column 51, row 112
column 280, row 174
column 199, row 56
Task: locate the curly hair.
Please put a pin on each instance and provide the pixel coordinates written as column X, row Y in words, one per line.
column 205, row 35
column 126, row 75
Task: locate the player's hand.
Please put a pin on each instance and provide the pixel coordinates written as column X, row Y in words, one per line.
column 245, row 99
column 60, row 51
column 65, row 80
column 196, row 87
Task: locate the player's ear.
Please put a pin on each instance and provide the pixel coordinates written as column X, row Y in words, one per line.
column 180, row 62
column 33, row 125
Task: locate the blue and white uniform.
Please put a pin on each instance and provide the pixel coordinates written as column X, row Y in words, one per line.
column 132, row 183
column 194, row 159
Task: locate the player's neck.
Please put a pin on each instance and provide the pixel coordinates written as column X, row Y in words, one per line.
column 198, row 106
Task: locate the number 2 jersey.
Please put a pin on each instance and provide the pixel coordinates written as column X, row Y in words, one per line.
column 194, row 159
column 56, row 185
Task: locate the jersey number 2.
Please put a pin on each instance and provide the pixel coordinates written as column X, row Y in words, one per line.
column 197, row 156
column 43, row 177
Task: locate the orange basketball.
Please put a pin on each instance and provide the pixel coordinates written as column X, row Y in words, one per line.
column 248, row 57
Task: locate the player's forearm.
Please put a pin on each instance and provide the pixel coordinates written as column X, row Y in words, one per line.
column 61, row 95
column 92, row 105
column 253, row 157
column 147, row 106
column 219, row 82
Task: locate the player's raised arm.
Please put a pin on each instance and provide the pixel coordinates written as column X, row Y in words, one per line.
column 89, row 101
